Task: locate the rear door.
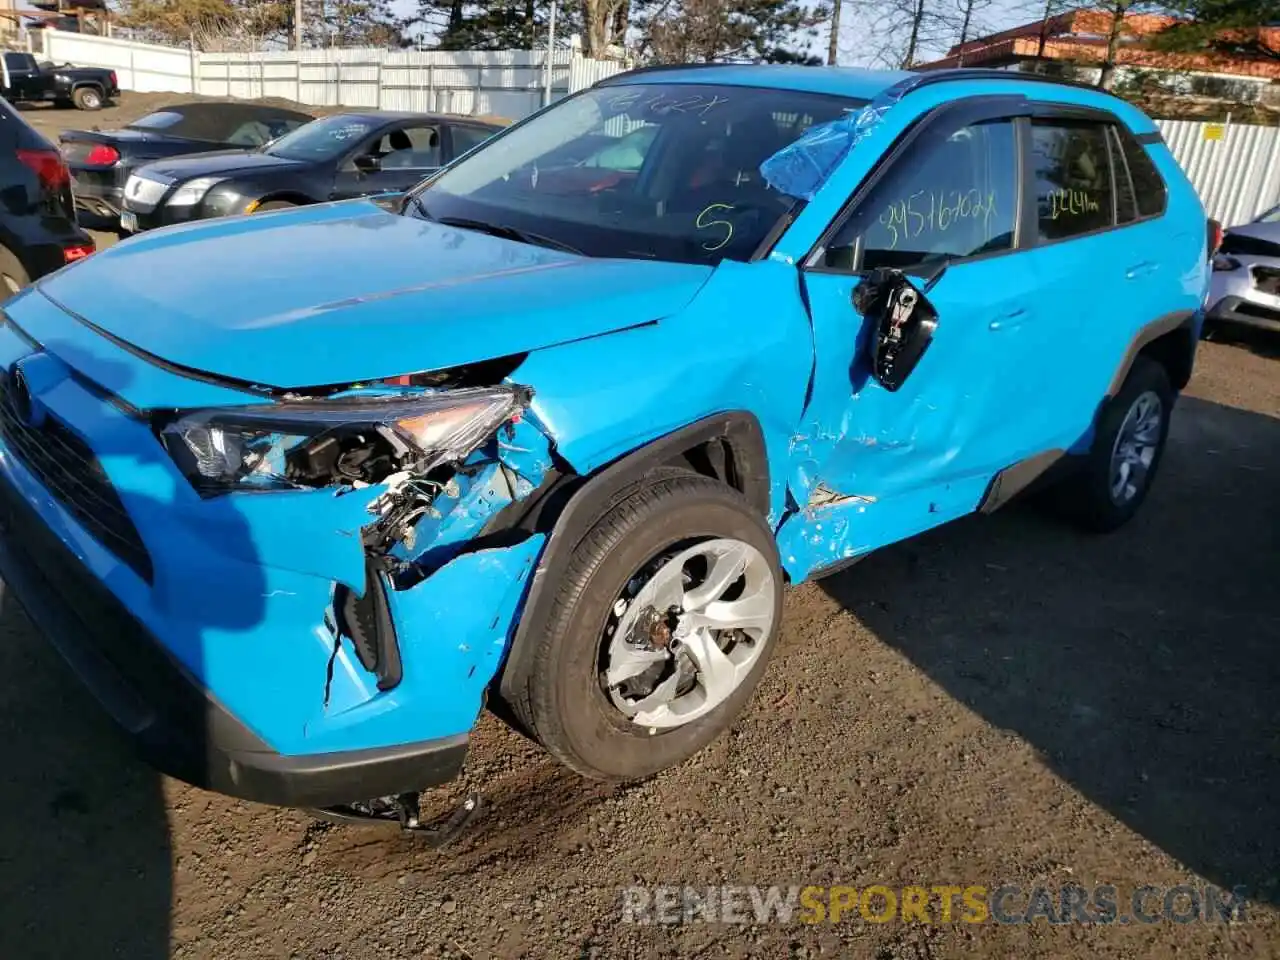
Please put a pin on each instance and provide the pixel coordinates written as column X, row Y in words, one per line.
column 1097, row 261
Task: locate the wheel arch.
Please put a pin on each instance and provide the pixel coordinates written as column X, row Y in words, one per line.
column 286, row 196
column 1170, row 341
column 728, row 447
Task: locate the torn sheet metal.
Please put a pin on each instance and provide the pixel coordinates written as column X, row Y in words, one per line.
column 801, row 168
column 823, row 496
column 811, row 540
column 451, row 514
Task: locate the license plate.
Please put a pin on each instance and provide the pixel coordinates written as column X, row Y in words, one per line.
column 128, row 221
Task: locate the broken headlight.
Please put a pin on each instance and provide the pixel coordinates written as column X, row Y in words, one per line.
column 348, row 442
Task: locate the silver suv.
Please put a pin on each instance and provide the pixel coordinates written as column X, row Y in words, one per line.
column 1245, row 288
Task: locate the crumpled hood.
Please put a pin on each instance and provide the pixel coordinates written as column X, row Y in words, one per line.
column 346, row 292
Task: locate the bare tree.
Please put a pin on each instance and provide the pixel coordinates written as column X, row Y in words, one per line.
column 602, row 20
column 833, row 45
column 900, row 31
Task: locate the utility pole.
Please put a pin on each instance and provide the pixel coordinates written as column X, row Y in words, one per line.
column 834, row 44
column 551, row 49
column 297, row 24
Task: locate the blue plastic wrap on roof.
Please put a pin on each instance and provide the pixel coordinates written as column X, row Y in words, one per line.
column 801, row 168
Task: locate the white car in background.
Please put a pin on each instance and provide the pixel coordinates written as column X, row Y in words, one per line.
column 1245, row 288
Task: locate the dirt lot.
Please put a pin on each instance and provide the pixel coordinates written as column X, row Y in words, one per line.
column 1000, row 701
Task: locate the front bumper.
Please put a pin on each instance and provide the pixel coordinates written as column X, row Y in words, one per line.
column 212, row 638
column 98, row 193
column 176, row 726
column 166, row 216
column 1246, row 312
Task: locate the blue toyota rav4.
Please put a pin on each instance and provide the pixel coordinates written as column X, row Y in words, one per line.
column 299, row 494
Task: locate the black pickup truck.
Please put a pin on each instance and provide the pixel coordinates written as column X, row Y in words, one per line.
column 23, row 78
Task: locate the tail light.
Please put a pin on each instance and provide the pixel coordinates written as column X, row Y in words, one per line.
column 112, row 75
column 1215, row 237
column 102, row 155
column 48, row 166
column 77, row 252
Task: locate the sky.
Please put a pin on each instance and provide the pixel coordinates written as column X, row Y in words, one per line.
column 859, row 47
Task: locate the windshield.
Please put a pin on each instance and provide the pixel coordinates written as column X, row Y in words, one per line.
column 661, row 171
column 322, row 139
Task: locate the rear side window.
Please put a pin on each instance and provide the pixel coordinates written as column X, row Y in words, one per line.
column 464, row 138
column 1071, row 174
column 1148, row 186
column 1126, row 202
column 951, row 198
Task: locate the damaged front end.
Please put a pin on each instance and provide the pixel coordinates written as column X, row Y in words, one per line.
column 431, row 465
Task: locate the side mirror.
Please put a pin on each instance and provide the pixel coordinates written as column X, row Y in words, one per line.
column 902, row 324
column 368, row 164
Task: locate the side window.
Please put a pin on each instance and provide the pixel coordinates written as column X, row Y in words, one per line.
column 415, row 148
column 1126, row 202
column 15, row 61
column 1148, row 185
column 465, row 138
column 952, row 196
column 1071, row 174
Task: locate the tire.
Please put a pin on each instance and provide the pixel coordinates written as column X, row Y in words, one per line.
column 13, row 275
column 1089, row 496
column 274, row 205
column 87, row 98
column 561, row 699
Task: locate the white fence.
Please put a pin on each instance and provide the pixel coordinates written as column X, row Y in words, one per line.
column 146, row 67
column 508, row 83
column 1237, row 175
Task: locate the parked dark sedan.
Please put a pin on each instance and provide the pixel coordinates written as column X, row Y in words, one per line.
column 102, row 160
column 333, row 158
column 38, row 231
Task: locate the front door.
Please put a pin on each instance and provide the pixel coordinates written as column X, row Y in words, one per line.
column 872, row 466
column 390, row 162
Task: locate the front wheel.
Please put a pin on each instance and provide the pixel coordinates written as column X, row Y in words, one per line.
column 1127, row 449
column 660, row 630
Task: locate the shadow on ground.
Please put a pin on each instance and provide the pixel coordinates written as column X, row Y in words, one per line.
column 84, row 846
column 1144, row 666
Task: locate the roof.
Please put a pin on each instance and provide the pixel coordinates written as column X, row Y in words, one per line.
column 390, row 116
column 837, row 81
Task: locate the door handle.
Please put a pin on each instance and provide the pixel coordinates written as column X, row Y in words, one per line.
column 1140, row 269
column 1008, row 321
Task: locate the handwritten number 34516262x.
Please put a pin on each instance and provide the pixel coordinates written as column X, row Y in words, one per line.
column 929, row 211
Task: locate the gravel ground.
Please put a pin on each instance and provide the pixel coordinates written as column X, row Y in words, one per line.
column 1000, row 701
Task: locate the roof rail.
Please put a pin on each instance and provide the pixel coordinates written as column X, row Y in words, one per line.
column 927, row 77
column 921, row 79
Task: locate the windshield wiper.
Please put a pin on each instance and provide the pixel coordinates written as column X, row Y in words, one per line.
column 501, row 230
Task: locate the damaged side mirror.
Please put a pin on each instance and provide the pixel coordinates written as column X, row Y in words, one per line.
column 902, row 324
